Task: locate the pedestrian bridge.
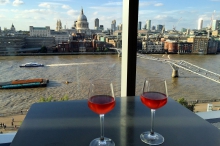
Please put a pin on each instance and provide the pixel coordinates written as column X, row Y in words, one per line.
column 119, row 50
column 176, row 64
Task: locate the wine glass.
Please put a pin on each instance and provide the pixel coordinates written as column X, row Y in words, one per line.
column 154, row 96
column 101, row 100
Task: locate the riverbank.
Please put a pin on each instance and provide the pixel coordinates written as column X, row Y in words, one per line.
column 60, row 53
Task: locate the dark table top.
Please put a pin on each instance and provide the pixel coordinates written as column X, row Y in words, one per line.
column 72, row 123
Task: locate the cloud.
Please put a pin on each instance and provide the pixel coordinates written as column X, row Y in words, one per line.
column 72, row 12
column 113, row 4
column 2, row 16
column 95, row 13
column 17, row 3
column 215, row 0
column 141, row 4
column 3, row 2
column 66, row 7
column 45, row 5
column 49, row 5
column 158, row 4
column 107, row 9
column 165, row 18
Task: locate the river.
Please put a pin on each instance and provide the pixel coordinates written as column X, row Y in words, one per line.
column 79, row 69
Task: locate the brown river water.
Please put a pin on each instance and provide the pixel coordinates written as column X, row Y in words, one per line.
column 80, row 69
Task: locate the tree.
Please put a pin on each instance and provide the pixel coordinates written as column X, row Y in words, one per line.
column 64, row 98
column 185, row 103
column 48, row 99
column 43, row 49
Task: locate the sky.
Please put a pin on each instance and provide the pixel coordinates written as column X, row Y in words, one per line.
column 41, row 13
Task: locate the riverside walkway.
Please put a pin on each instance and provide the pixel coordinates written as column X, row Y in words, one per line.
column 176, row 64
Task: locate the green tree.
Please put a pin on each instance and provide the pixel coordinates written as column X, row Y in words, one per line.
column 64, row 98
column 43, row 49
column 48, row 99
column 185, row 103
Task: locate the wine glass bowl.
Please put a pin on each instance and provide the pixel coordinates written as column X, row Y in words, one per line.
column 101, row 100
column 154, row 96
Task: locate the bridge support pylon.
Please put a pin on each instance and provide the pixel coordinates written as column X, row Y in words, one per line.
column 119, row 54
column 175, row 72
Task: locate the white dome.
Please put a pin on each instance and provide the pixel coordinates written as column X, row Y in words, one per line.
column 82, row 17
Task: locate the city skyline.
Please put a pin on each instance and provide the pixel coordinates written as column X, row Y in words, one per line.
column 41, row 13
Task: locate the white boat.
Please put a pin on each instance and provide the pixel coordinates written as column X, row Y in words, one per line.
column 32, row 64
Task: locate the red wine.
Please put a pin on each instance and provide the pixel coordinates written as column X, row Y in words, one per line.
column 101, row 104
column 154, row 100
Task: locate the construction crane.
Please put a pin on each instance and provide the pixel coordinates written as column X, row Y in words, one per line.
column 212, row 18
column 174, row 26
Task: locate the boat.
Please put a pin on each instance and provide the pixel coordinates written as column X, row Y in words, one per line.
column 28, row 83
column 32, row 64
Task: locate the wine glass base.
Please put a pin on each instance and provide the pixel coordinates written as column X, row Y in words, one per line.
column 155, row 139
column 105, row 142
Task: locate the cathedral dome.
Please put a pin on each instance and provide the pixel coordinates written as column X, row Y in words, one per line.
column 82, row 17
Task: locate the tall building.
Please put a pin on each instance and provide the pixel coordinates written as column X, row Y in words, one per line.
column 96, row 23
column 113, row 25
column 59, row 25
column 139, row 25
column 148, row 24
column 101, row 27
column 120, row 27
column 200, row 23
column 215, row 24
column 153, row 28
column 159, row 27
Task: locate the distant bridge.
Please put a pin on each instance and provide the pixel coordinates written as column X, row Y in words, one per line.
column 119, row 50
column 176, row 64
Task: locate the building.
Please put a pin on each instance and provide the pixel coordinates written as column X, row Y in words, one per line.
column 39, row 31
column 96, row 23
column 184, row 47
column 215, row 33
column 171, row 46
column 60, row 36
column 38, row 42
column 120, row 27
column 200, row 23
column 152, row 47
column 153, row 28
column 159, row 27
column 215, row 24
column 12, row 28
column 148, row 24
column 113, row 25
column 8, row 44
column 200, row 44
column 82, row 26
column 59, row 25
column 212, row 46
column 139, row 25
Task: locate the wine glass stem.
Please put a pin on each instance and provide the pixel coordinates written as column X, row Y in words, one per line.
column 102, row 126
column 152, row 121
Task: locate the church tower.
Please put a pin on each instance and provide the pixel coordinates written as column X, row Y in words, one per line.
column 59, row 25
column 12, row 28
